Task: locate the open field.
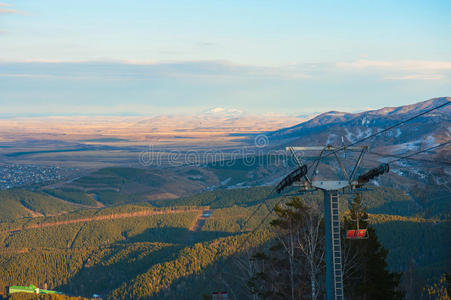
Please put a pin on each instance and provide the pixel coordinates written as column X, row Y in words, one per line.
column 97, row 142
column 126, row 131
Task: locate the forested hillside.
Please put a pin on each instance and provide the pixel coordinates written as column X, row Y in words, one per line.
column 162, row 249
column 118, row 185
column 18, row 203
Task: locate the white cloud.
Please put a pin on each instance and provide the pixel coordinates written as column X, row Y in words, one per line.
column 48, row 76
column 43, row 61
column 397, row 65
column 223, row 70
column 194, row 69
column 10, row 10
column 415, row 77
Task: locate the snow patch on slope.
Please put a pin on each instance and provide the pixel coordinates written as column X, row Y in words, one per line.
column 226, row 181
column 349, row 135
column 331, row 138
column 416, row 145
column 398, row 172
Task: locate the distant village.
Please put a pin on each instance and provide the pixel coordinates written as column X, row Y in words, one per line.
column 17, row 175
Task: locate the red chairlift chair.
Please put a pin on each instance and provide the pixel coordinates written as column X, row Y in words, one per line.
column 357, row 234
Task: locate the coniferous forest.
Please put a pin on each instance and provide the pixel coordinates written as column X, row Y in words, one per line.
column 170, row 250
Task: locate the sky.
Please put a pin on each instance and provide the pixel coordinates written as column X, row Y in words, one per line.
column 164, row 57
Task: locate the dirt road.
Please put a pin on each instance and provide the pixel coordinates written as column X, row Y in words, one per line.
column 142, row 213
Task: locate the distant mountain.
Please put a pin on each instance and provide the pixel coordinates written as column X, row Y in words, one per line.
column 419, row 178
column 336, row 128
column 230, row 112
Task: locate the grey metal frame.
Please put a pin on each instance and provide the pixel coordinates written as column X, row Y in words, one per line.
column 334, row 271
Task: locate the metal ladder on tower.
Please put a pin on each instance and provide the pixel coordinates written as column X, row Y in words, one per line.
column 336, row 245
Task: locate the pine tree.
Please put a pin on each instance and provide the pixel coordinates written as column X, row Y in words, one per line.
column 358, row 217
column 370, row 277
column 291, row 267
column 283, row 271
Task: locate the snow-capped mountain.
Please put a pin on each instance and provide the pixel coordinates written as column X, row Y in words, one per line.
column 424, row 178
column 337, row 128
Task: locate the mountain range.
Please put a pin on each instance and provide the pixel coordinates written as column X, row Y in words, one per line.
column 337, row 128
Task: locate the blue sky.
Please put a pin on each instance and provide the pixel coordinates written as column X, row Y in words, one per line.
column 155, row 57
